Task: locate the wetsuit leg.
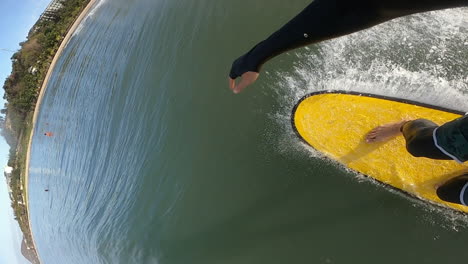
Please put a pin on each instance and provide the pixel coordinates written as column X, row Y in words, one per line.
column 419, row 139
column 326, row 19
column 450, row 190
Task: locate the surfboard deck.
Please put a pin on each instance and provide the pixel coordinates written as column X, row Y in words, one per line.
column 335, row 123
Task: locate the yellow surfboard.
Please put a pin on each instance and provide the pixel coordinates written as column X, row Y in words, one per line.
column 335, row 123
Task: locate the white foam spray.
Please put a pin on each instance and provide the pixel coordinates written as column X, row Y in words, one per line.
column 90, row 15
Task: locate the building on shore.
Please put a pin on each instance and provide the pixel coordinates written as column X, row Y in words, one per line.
column 50, row 13
column 51, row 10
column 7, row 172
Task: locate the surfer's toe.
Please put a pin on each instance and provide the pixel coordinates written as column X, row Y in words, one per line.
column 372, row 135
column 384, row 132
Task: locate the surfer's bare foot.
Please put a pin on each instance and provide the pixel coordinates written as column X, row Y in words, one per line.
column 384, row 132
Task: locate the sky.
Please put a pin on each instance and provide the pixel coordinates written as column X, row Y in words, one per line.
column 16, row 18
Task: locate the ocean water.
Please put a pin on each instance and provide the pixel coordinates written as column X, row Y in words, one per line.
column 154, row 160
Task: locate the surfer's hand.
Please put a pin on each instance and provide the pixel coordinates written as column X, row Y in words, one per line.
column 246, row 79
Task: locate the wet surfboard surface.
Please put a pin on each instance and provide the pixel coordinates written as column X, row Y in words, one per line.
column 335, row 123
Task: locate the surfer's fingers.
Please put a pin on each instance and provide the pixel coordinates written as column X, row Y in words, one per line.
column 247, row 79
column 232, row 83
column 242, row 84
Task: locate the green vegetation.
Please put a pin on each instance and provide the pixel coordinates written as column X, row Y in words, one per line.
column 29, row 68
column 31, row 62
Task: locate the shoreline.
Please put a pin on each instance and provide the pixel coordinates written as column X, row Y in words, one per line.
column 65, row 40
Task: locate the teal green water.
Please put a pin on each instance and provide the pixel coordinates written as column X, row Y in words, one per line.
column 154, row 160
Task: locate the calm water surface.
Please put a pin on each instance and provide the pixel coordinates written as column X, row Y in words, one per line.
column 154, row 160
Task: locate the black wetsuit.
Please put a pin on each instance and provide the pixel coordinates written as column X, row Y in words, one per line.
column 449, row 141
column 455, row 190
column 326, row 19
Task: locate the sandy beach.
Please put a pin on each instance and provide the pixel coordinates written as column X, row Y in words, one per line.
column 75, row 25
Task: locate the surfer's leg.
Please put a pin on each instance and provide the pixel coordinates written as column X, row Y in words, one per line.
column 451, row 191
column 385, row 132
column 419, row 140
